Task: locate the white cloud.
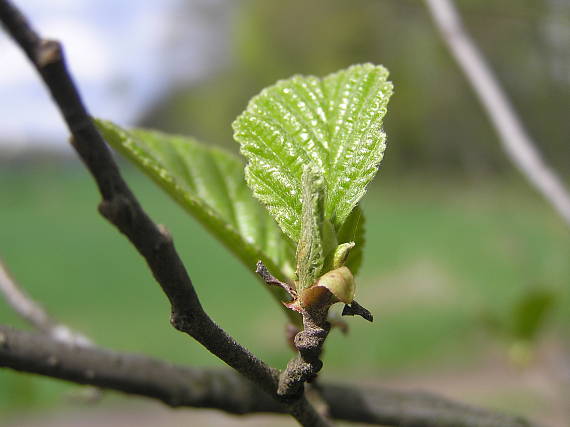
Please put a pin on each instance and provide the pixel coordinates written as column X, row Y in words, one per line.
column 116, row 53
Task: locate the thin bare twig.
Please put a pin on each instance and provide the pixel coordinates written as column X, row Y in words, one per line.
column 228, row 391
column 515, row 140
column 271, row 280
column 123, row 210
column 34, row 313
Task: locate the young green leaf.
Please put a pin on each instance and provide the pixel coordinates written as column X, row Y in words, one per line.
column 310, row 257
column 209, row 183
column 333, row 124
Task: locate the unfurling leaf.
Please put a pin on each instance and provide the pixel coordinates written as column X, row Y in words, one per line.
column 310, row 256
column 332, row 124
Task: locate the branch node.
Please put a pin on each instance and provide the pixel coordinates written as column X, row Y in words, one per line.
column 48, row 52
column 52, row 361
column 118, row 210
column 182, row 322
column 165, row 240
column 164, row 231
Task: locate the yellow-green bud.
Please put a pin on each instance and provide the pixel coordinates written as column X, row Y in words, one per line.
column 340, row 282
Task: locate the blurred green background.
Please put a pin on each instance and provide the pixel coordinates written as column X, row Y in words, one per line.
column 467, row 269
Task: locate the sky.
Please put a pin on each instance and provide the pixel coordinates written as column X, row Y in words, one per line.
column 115, row 50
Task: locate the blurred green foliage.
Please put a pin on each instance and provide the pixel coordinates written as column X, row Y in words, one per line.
column 435, row 122
column 438, row 255
column 527, row 317
column 530, row 313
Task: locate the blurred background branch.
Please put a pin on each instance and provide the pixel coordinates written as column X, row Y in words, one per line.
column 225, row 390
column 34, row 313
column 516, row 141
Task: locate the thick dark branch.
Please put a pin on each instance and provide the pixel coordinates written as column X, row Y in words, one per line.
column 122, row 209
column 133, row 374
column 379, row 405
column 31, row 311
column 225, row 390
column 309, row 342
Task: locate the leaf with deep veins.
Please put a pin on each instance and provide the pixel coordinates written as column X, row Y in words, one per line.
column 333, row 124
column 312, row 146
column 209, row 183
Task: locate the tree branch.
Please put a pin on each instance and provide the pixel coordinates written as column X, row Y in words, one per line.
column 122, row 209
column 31, row 311
column 34, row 313
column 308, row 342
column 515, row 140
column 41, row 354
column 225, row 390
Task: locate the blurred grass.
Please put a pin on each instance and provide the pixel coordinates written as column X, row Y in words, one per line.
column 441, row 257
